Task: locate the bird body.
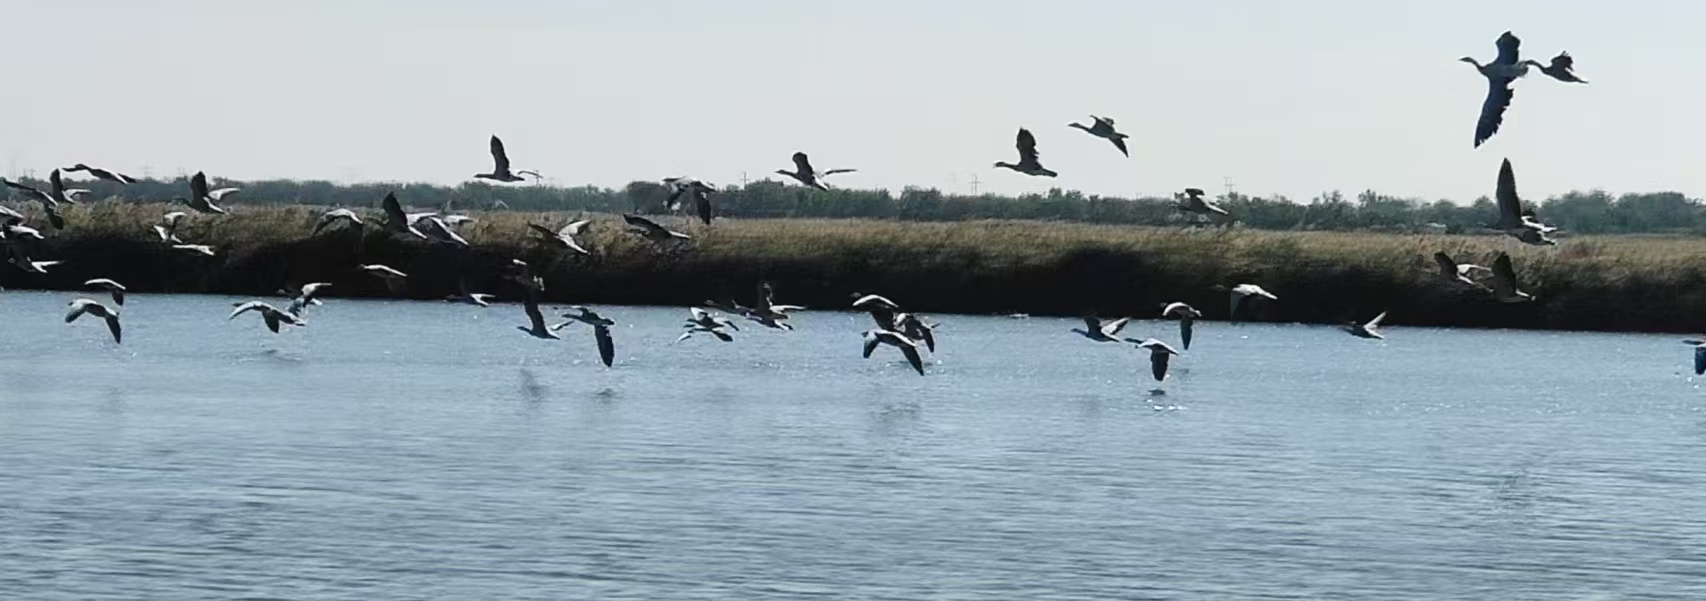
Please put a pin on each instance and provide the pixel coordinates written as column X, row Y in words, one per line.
column 806, row 175
column 1504, row 283
column 1504, row 69
column 600, row 331
column 1192, row 201
column 500, row 164
column 202, row 199
column 1103, row 127
column 1561, row 68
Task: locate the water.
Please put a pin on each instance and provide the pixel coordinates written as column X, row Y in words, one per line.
column 430, row 451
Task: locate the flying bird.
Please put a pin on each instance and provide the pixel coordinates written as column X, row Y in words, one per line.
column 202, row 199
column 1100, row 331
column 1103, row 127
column 116, row 289
column 700, row 191
column 196, row 249
column 306, row 296
column 271, row 315
column 83, row 305
column 600, row 330
column 1187, row 316
column 1699, row 355
column 1241, row 295
column 1192, row 201
column 564, row 237
column 395, row 281
column 1504, row 282
column 806, row 175
column 1159, row 354
column 907, row 346
column 1513, row 218
column 1504, row 69
column 167, row 229
column 437, row 230
column 336, row 216
column 465, row 295
column 102, row 174
column 1367, row 330
column 1028, row 163
column 1452, row 272
column 651, row 230
column 395, row 219
column 535, row 319
column 500, row 164
column 1562, row 68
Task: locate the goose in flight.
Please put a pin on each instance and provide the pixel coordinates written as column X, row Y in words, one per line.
column 1241, row 297
column 203, row 200
column 1504, row 69
column 500, row 164
column 395, row 281
column 650, row 230
column 1699, row 355
column 308, row 295
column 1187, row 316
column 1367, row 330
column 806, row 175
column 1504, row 282
column 1159, row 354
column 915, row 328
column 1102, row 331
column 1192, row 201
column 102, row 174
column 395, row 219
column 167, row 229
column 437, row 230
column 13, row 228
column 1513, row 218
column 1452, row 272
column 115, row 288
column 535, row 320
column 24, row 263
column 564, row 237
column 700, row 191
column 600, row 330
column 336, row 216
column 907, row 346
column 196, row 249
column 1028, row 163
column 1562, row 68
column 882, row 310
column 1103, row 127
column 49, row 202
column 464, row 295
column 269, row 314
column 707, row 319
column 83, row 305
column 525, row 274
column 767, row 307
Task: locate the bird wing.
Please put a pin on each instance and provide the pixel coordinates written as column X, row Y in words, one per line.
column 198, row 186
column 1113, row 328
column 1447, row 267
column 912, row 357
column 542, row 230
column 500, row 160
column 1108, row 121
column 721, row 335
column 1375, row 323
column 1185, row 331
column 1504, row 276
column 1493, row 109
column 249, row 306
column 1091, row 324
column 574, row 227
column 1508, row 45
column 871, row 342
column 606, row 345
column 77, row 309
column 802, row 164
column 530, row 304
column 56, row 185
column 1120, row 144
column 835, row 171
column 643, row 223
column 703, row 203
column 1158, row 365
column 1027, row 145
column 1510, row 205
column 1699, row 360
column 1563, row 62
column 113, row 326
column 394, row 211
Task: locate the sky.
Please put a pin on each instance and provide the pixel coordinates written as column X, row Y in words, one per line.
column 1292, row 98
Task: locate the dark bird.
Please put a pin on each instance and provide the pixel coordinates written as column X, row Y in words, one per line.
column 1699, row 355
column 102, row 174
column 1104, row 128
column 535, row 319
column 907, row 346
column 600, row 331
column 500, row 165
column 1504, row 69
column 1562, row 68
column 1452, row 272
column 270, row 314
column 1192, row 201
column 1504, row 282
column 1100, row 331
column 807, row 176
column 395, row 219
column 201, row 198
column 651, row 230
column 564, row 237
column 49, row 202
column 1513, row 218
column 1187, row 316
column 1028, row 163
column 1367, row 330
column 700, row 191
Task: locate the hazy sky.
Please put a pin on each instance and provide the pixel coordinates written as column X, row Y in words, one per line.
column 1292, row 97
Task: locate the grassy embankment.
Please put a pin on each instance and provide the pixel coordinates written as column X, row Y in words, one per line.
column 1597, row 283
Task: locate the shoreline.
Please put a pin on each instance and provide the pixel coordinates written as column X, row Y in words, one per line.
column 1636, row 283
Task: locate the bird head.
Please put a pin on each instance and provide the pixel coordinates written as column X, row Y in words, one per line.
column 1471, row 60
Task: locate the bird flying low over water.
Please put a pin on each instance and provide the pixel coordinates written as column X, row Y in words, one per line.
column 1028, row 163
column 1500, row 73
column 806, row 175
column 1100, row 331
column 1103, row 127
column 1242, row 295
column 83, row 305
column 500, row 164
column 1159, row 354
column 102, row 174
column 705, row 322
column 535, row 319
column 269, row 314
column 600, row 331
column 467, row 296
column 308, row 295
column 1187, row 316
column 907, row 346
column 1367, row 330
column 395, row 281
column 650, row 230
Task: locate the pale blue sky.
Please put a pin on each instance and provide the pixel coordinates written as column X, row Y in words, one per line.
column 1291, row 97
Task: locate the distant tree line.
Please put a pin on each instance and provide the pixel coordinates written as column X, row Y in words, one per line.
column 1593, row 212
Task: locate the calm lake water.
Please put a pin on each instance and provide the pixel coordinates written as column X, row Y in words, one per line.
column 430, row 451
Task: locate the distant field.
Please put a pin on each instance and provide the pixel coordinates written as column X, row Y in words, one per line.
column 1648, row 283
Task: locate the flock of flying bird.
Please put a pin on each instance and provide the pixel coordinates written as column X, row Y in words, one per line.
column 905, row 331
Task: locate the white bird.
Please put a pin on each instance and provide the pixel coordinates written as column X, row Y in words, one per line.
column 335, row 216
column 167, row 229
column 1187, row 316
column 500, row 164
column 907, row 346
column 1241, row 294
column 200, row 249
column 115, row 288
column 1102, row 331
column 203, row 200
column 1104, row 128
column 82, row 305
column 395, row 281
column 807, row 176
column 306, row 296
column 1504, row 282
column 1699, row 355
column 103, row 174
column 270, row 314
column 600, row 331
column 651, row 230
column 1159, row 353
column 564, row 237
column 1367, row 330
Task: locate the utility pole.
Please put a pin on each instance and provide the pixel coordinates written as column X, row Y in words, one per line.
column 1231, row 186
column 743, row 180
column 974, row 182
